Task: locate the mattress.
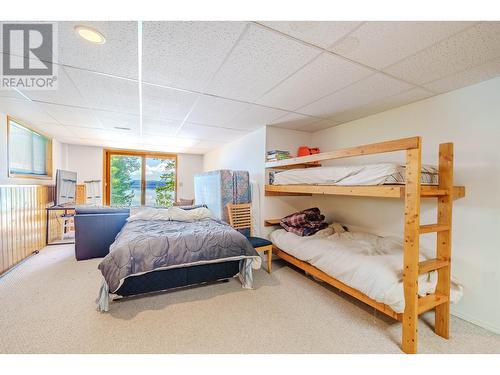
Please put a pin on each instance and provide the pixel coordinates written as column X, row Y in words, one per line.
column 364, row 261
column 369, row 174
column 216, row 189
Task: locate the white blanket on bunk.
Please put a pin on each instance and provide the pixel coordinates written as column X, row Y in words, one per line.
column 364, row 261
column 348, row 175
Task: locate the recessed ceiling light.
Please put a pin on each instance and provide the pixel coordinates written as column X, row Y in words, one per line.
column 121, row 128
column 90, row 34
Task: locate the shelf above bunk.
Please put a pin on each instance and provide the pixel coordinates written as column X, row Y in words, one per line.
column 379, row 191
column 374, row 148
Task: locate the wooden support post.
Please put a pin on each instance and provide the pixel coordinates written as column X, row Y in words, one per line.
column 445, row 203
column 411, row 249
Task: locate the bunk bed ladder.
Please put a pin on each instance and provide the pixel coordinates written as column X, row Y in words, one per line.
column 443, row 242
column 440, row 300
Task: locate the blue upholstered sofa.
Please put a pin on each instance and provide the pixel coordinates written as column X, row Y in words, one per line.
column 96, row 228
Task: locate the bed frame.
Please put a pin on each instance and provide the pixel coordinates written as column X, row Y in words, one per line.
column 411, row 192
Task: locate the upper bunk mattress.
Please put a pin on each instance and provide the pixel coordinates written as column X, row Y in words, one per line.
column 364, row 261
column 370, row 174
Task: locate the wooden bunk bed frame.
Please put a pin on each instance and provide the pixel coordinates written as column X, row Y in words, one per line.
column 411, row 192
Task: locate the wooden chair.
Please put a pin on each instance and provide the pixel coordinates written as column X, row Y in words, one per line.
column 240, row 218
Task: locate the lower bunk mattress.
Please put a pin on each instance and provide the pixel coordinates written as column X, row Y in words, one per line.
column 364, row 261
column 368, row 174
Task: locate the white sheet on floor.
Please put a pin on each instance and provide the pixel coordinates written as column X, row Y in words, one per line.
column 370, row 174
column 364, row 261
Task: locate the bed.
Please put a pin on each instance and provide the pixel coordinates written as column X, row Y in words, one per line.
column 367, row 174
column 159, row 249
column 363, row 261
column 374, row 181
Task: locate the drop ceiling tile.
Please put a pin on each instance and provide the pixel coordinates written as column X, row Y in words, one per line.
column 10, row 93
column 66, row 92
column 104, row 134
column 73, row 116
column 106, row 92
column 186, row 54
column 254, row 117
column 210, row 110
column 471, row 76
column 117, row 56
column 294, row 121
column 210, row 133
column 320, row 33
column 160, row 102
column 323, row 76
column 320, row 125
column 474, row 46
column 112, row 120
column 381, row 43
column 383, row 104
column 368, row 90
column 260, row 60
column 168, row 141
column 208, row 145
column 24, row 110
column 56, row 130
column 74, row 141
column 160, row 126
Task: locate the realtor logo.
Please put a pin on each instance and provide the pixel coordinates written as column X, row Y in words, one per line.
column 29, row 56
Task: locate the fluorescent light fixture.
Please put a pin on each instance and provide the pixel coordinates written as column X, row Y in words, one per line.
column 90, row 34
column 139, row 78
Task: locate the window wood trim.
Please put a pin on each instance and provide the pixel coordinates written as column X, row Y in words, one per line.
column 107, row 153
column 48, row 155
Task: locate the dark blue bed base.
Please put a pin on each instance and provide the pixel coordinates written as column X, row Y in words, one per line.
column 177, row 277
column 96, row 229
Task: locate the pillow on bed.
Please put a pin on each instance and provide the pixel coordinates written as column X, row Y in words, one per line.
column 171, row 213
column 194, row 214
column 192, row 207
column 338, row 228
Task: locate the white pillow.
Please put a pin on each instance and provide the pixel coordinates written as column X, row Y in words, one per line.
column 337, row 228
column 141, row 213
column 179, row 214
column 200, row 213
column 171, row 213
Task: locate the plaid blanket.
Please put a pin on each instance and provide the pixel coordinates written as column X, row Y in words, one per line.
column 304, row 223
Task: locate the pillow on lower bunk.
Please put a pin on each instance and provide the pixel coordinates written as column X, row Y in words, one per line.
column 331, row 229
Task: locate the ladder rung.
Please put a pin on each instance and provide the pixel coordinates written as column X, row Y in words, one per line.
column 430, row 301
column 432, row 265
column 429, row 228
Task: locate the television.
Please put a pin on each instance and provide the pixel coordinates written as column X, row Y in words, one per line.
column 65, row 187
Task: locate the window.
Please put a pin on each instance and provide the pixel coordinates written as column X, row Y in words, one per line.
column 30, row 152
column 140, row 178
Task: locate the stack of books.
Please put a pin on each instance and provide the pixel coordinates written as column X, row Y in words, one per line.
column 275, row 155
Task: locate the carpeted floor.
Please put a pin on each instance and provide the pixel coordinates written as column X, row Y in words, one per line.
column 47, row 306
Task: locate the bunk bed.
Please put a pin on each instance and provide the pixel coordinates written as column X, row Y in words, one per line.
column 411, row 191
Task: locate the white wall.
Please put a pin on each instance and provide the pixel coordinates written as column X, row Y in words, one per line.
column 469, row 117
column 188, row 166
column 57, row 158
column 246, row 153
column 87, row 161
